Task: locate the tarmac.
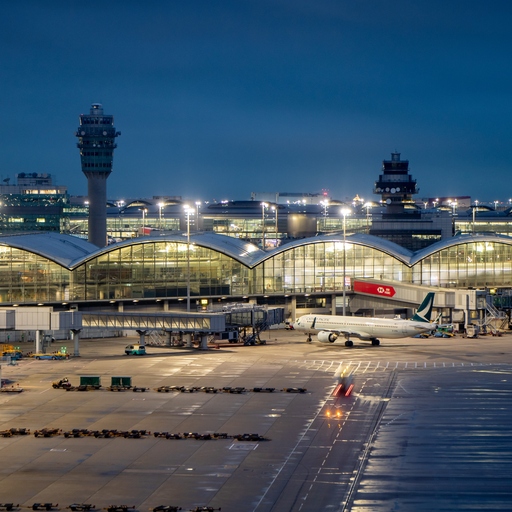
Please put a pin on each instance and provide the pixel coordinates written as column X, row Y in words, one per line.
column 256, row 428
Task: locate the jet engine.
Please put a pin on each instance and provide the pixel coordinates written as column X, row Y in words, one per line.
column 326, row 336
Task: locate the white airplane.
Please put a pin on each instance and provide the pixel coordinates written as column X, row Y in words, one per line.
column 330, row 327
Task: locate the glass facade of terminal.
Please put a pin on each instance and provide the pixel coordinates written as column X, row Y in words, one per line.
column 164, row 269
column 28, row 277
column 474, row 264
column 159, row 270
column 320, row 267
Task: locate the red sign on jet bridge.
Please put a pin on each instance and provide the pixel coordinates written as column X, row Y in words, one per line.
column 374, row 289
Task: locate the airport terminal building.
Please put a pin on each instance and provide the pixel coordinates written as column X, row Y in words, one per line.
column 307, row 275
column 305, row 254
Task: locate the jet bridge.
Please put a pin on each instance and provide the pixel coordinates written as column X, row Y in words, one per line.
column 182, row 322
column 42, row 319
column 201, row 324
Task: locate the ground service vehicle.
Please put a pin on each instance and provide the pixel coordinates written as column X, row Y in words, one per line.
column 62, row 383
column 135, row 350
column 54, row 356
column 472, row 331
column 11, row 351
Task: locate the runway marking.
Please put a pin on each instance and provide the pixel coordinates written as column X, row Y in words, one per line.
column 383, row 366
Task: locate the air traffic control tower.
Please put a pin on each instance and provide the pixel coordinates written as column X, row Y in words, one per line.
column 395, row 184
column 96, row 141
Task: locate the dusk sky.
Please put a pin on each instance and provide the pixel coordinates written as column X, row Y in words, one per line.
column 218, row 99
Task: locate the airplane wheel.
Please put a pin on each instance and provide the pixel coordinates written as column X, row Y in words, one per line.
column 375, row 343
column 349, row 343
column 309, row 339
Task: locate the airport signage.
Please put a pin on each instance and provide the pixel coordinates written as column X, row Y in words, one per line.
column 374, row 289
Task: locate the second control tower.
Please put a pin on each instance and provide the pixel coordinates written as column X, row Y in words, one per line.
column 96, row 141
column 395, row 184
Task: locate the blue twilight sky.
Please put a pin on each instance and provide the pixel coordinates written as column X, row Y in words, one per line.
column 216, row 99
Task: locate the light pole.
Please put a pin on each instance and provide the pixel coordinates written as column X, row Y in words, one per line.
column 160, row 208
column 275, row 212
column 344, row 212
column 188, row 211
column 475, row 209
column 120, row 205
column 263, row 206
column 368, row 206
column 198, row 205
column 144, row 210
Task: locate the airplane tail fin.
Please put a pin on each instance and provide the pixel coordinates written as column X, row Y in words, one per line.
column 424, row 312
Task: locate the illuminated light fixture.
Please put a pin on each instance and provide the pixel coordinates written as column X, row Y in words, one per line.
column 40, row 304
column 112, row 302
column 135, row 300
column 249, row 249
column 486, row 247
column 15, row 305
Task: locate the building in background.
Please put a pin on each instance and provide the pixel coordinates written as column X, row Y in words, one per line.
column 34, row 203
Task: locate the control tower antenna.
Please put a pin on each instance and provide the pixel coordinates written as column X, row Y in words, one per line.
column 96, row 142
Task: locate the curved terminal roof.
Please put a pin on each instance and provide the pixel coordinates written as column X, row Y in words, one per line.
column 374, row 242
column 457, row 240
column 62, row 249
column 240, row 250
column 70, row 251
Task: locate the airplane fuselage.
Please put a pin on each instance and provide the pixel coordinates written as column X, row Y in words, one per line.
column 364, row 328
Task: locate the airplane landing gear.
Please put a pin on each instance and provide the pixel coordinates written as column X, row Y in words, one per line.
column 375, row 342
column 349, row 343
column 308, row 339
